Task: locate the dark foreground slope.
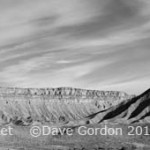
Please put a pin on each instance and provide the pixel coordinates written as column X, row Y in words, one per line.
column 133, row 110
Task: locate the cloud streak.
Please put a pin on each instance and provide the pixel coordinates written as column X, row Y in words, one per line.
column 98, row 44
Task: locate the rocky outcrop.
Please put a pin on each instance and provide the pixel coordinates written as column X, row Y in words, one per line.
column 65, row 92
column 133, row 110
column 54, row 105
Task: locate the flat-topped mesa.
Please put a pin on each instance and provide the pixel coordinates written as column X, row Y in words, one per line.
column 26, row 105
column 64, row 93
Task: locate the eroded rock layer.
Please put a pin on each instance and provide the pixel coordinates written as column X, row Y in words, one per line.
column 54, row 105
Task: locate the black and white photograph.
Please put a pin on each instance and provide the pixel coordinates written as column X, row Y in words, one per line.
column 74, row 75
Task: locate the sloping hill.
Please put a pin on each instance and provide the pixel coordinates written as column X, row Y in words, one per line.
column 133, row 110
column 54, row 105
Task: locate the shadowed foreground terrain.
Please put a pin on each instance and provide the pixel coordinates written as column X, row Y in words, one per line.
column 68, row 108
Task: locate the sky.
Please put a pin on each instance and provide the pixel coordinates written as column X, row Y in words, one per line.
column 91, row 44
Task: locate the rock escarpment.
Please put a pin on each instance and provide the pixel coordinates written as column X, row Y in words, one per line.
column 54, row 105
column 65, row 92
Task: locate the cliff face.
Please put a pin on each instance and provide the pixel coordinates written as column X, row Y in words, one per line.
column 24, row 106
column 64, row 93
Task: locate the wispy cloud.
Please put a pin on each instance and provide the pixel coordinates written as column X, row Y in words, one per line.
column 98, row 44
